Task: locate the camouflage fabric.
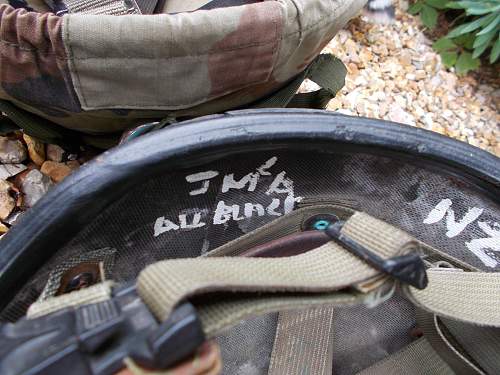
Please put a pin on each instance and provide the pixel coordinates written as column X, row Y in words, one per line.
column 105, row 73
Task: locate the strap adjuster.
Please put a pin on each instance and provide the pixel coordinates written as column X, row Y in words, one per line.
column 96, row 338
column 408, row 268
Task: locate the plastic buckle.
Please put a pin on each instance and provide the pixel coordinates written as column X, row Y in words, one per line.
column 408, row 268
column 94, row 339
column 178, row 337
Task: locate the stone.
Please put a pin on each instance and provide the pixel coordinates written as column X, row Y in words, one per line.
column 73, row 164
column 3, row 229
column 394, row 74
column 7, row 201
column 12, row 151
column 56, row 171
column 352, row 69
column 421, row 74
column 398, row 114
column 360, row 81
column 405, row 58
column 36, row 149
column 334, row 104
column 10, row 170
column 34, row 186
column 55, row 153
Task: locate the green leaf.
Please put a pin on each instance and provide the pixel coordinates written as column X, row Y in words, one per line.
column 478, row 51
column 470, row 26
column 495, row 52
column 480, row 11
column 466, row 41
column 466, row 62
column 449, row 58
column 484, row 39
column 454, row 5
column 443, row 44
column 486, row 6
column 429, row 16
column 438, row 4
column 493, row 25
column 415, row 8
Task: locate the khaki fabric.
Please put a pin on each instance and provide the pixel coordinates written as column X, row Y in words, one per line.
column 219, row 315
column 187, row 59
column 303, row 343
column 377, row 236
column 191, row 58
column 418, row 358
column 471, row 297
column 104, row 73
column 326, row 269
column 93, row 294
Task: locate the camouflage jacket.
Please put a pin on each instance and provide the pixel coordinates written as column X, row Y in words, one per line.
column 103, row 73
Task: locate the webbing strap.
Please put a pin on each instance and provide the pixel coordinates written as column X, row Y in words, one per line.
column 415, row 359
column 323, row 270
column 303, row 343
column 109, row 7
column 216, row 316
column 482, row 344
column 295, row 330
column 93, row 294
column 326, row 70
column 442, row 344
column 471, row 297
column 49, row 132
column 32, row 125
column 466, row 296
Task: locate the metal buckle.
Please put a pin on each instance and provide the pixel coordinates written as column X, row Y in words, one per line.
column 408, row 268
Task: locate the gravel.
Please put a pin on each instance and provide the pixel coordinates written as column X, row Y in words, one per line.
column 394, row 74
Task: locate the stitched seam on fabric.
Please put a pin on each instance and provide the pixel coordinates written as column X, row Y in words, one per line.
column 318, row 24
column 315, row 25
column 275, row 41
column 34, row 50
column 77, row 86
column 322, row 20
column 250, row 45
column 299, row 21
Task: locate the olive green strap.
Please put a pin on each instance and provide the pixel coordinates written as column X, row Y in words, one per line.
column 33, row 125
column 438, row 337
column 418, row 358
column 326, row 70
column 482, row 344
column 49, row 132
column 329, row 73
